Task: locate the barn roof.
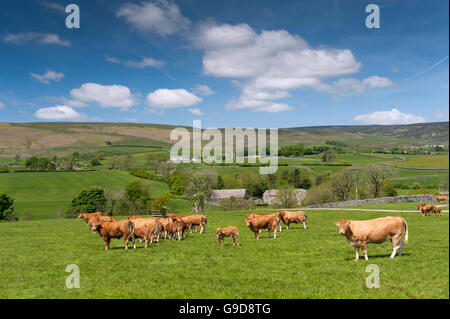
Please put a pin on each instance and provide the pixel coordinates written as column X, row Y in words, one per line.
column 227, row 193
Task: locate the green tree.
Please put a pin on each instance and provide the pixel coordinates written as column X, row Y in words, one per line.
column 7, row 212
column 220, row 182
column 87, row 201
column 329, row 155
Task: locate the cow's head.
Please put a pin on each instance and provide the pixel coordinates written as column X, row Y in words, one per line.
column 343, row 225
column 94, row 223
column 248, row 221
column 219, row 231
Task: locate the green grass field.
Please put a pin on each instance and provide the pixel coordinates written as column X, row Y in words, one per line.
column 46, row 194
column 436, row 161
column 312, row 263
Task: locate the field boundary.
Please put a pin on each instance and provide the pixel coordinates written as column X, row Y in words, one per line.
column 380, row 200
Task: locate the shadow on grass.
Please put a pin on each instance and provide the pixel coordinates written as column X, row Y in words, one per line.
column 379, row 256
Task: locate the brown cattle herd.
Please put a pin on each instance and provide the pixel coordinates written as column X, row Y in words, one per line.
column 149, row 230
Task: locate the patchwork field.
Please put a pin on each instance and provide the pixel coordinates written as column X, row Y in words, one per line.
column 312, row 263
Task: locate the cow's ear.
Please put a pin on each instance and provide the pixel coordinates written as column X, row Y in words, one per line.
column 337, row 223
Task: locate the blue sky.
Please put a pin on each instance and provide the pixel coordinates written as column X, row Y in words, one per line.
column 229, row 63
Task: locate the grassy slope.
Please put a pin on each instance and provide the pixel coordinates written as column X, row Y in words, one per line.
column 436, row 161
column 46, row 193
column 312, row 263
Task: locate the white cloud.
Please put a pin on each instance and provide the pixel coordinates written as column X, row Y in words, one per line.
column 196, row 111
column 165, row 98
column 48, row 76
column 203, row 90
column 440, row 115
column 59, row 112
column 389, row 117
column 269, row 64
column 1, row 105
column 105, row 95
column 41, row 38
column 161, row 16
column 54, row 6
column 143, row 63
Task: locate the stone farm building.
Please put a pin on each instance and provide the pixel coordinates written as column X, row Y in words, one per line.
column 269, row 195
column 220, row 194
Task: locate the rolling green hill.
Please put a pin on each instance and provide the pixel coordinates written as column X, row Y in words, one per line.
column 60, row 138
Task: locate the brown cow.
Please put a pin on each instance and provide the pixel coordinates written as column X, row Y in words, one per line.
column 377, row 231
column 257, row 223
column 293, row 217
column 427, row 210
column 146, row 228
column 420, row 206
column 113, row 229
column 87, row 216
column 442, row 199
column 436, row 210
column 277, row 215
column 164, row 222
column 195, row 220
column 232, row 231
column 177, row 229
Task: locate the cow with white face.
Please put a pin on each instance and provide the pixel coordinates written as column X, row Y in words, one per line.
column 377, row 231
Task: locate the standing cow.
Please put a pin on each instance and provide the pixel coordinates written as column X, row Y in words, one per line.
column 442, row 199
column 257, row 223
column 113, row 229
column 377, row 231
column 293, row 217
column 427, row 210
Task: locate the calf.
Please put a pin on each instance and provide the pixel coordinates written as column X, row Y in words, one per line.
column 257, row 223
column 146, row 228
column 113, row 229
column 232, row 231
column 177, row 229
column 377, row 231
column 293, row 217
column 436, row 210
column 427, row 210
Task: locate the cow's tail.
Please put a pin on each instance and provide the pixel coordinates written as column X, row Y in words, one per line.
column 131, row 226
column 406, row 229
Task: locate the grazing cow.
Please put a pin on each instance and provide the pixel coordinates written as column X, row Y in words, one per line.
column 293, row 217
column 164, row 222
column 147, row 229
column 442, row 198
column 420, row 206
column 232, row 231
column 257, row 223
column 251, row 215
column 427, row 210
column 113, row 229
column 377, row 231
column 436, row 210
column 177, row 229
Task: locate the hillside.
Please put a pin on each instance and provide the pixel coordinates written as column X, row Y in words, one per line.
column 62, row 138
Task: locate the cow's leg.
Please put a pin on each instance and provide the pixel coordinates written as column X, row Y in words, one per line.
column 279, row 225
column 396, row 243
column 275, row 232
column 126, row 242
column 364, row 250
column 356, row 253
column 146, row 242
column 287, row 225
column 106, row 240
column 400, row 252
column 268, row 236
column 237, row 240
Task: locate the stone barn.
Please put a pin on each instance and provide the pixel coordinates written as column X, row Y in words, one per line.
column 269, row 195
column 219, row 194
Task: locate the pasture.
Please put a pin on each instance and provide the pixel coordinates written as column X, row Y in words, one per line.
column 47, row 195
column 435, row 161
column 312, row 263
